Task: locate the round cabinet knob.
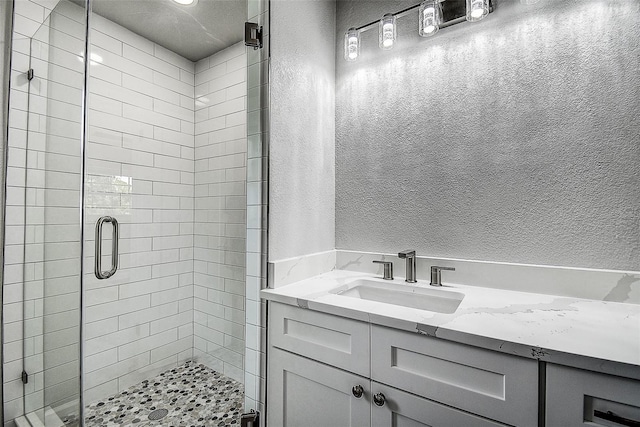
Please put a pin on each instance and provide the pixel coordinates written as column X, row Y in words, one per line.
column 357, row 391
column 379, row 399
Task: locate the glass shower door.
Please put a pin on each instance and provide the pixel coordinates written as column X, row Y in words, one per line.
column 138, row 321
column 166, row 158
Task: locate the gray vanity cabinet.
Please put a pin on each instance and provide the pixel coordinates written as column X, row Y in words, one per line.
column 325, row 370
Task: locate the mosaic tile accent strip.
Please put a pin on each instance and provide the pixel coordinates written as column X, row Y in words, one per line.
column 193, row 394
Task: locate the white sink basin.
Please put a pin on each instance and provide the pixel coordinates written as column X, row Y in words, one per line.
column 440, row 301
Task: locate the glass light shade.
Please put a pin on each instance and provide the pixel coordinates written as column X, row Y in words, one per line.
column 429, row 17
column 387, row 31
column 351, row 44
column 477, row 9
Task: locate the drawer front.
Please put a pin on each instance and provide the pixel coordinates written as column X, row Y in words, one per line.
column 487, row 383
column 583, row 398
column 404, row 409
column 333, row 340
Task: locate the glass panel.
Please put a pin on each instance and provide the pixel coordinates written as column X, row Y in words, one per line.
column 43, row 213
column 257, row 165
column 6, row 13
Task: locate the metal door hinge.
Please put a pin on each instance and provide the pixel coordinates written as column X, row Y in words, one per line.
column 25, row 377
column 250, row 419
column 30, row 74
column 253, row 35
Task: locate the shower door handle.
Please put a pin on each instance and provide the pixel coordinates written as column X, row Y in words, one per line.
column 114, row 248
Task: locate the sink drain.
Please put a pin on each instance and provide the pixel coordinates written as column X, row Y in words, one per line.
column 158, row 414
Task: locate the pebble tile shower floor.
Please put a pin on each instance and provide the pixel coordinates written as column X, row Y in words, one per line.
column 193, row 395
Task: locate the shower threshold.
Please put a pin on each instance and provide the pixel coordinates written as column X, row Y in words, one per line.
column 32, row 419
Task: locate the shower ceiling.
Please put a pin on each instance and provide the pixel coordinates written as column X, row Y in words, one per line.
column 194, row 32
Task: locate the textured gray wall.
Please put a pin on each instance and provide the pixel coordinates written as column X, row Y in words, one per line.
column 513, row 139
column 302, row 140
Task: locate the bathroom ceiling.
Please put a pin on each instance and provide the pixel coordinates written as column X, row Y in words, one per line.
column 193, row 32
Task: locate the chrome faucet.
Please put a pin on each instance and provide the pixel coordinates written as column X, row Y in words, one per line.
column 436, row 276
column 410, row 256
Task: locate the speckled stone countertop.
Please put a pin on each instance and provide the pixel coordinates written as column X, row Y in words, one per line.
column 594, row 335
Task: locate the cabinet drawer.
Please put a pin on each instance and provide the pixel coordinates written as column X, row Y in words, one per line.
column 334, row 340
column 487, row 383
column 582, row 398
column 404, row 409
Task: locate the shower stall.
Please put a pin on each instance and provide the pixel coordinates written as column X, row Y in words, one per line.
column 133, row 214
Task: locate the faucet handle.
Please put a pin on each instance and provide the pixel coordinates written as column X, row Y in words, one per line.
column 388, row 269
column 436, row 276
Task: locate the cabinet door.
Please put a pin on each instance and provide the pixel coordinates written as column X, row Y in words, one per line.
column 303, row 392
column 577, row 398
column 401, row 409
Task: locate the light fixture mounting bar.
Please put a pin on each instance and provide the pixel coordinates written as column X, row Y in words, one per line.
column 453, row 12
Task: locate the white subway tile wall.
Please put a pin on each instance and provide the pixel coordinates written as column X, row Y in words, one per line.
column 139, row 169
column 220, row 210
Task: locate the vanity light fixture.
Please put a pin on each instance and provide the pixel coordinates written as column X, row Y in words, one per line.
column 429, row 17
column 433, row 15
column 352, row 44
column 477, row 9
column 387, row 31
